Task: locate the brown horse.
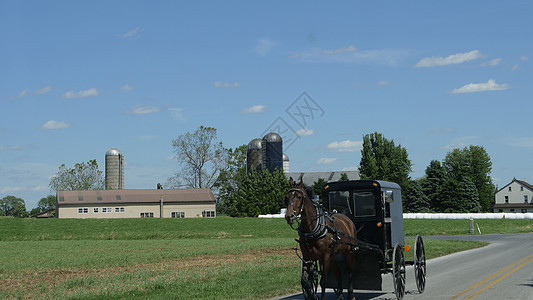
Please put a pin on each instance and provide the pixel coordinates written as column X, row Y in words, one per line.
column 322, row 238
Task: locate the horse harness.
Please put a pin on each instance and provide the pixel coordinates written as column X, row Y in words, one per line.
column 321, row 226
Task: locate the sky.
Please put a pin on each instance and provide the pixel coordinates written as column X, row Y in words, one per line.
column 80, row 77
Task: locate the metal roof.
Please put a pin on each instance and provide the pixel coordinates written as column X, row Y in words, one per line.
column 135, row 196
column 113, row 152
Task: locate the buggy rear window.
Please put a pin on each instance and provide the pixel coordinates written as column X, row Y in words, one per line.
column 365, row 204
column 338, row 200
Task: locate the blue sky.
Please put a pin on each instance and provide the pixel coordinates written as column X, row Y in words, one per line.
column 80, row 77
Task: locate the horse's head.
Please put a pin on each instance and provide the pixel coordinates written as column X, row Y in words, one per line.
column 294, row 200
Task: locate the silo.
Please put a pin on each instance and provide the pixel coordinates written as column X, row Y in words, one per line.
column 285, row 163
column 253, row 155
column 272, row 151
column 114, row 169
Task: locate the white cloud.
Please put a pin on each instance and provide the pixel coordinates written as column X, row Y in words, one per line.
column 11, row 148
column 81, row 94
column 143, row 110
column 526, row 142
column 350, row 48
column 326, row 160
column 221, row 84
column 351, row 55
column 515, row 67
column 44, row 90
column 459, row 58
column 177, row 113
column 51, row 125
column 256, row 109
column 264, row 46
column 345, row 146
column 134, row 33
column 492, row 63
column 491, row 85
column 524, row 57
column 383, row 82
column 305, row 132
column 40, row 188
column 24, row 93
column 126, row 87
column 11, row 189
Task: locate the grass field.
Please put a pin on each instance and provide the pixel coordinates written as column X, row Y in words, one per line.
column 221, row 258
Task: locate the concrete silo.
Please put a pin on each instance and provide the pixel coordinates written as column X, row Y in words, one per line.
column 272, row 151
column 114, row 169
column 253, row 155
column 285, row 163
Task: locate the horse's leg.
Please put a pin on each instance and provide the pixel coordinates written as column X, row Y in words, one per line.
column 323, row 278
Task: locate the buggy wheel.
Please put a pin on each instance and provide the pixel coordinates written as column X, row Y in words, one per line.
column 420, row 264
column 398, row 271
column 309, row 280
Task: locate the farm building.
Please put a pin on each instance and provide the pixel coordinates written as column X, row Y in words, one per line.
column 158, row 203
column 516, row 196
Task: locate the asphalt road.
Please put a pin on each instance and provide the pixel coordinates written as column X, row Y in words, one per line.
column 501, row 270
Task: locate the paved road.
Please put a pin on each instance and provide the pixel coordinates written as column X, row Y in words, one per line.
column 502, row 270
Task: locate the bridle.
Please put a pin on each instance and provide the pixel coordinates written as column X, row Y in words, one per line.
column 320, row 229
column 296, row 216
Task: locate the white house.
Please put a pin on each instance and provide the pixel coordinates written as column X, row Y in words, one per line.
column 516, row 196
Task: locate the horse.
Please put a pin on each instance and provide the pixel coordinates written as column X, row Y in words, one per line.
column 322, row 237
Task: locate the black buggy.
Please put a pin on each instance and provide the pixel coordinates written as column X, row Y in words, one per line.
column 375, row 207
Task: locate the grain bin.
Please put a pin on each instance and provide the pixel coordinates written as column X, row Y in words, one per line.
column 272, row 152
column 114, row 169
column 253, row 155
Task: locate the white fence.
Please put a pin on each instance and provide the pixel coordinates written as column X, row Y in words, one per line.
column 469, row 215
column 443, row 216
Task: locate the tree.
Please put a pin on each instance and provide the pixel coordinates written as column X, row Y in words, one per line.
column 49, row 202
column 257, row 192
column 433, row 182
column 344, row 177
column 13, row 206
column 83, row 176
column 227, row 182
column 201, row 159
column 458, row 194
column 317, row 186
column 473, row 162
column 381, row 159
column 414, row 199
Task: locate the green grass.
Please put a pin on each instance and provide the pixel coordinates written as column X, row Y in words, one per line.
column 221, row 258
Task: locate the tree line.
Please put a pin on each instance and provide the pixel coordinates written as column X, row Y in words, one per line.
column 461, row 182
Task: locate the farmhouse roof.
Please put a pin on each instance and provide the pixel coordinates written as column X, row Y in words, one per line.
column 203, row 195
column 521, row 182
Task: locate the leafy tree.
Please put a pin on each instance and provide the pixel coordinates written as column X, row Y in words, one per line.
column 83, row 176
column 473, row 162
column 257, row 192
column 317, row 186
column 201, row 159
column 227, row 181
column 49, row 202
column 414, row 199
column 13, row 206
column 381, row 159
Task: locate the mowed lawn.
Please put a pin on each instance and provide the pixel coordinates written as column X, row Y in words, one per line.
column 220, row 258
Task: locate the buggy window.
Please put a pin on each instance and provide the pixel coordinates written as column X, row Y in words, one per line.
column 364, row 203
column 338, row 200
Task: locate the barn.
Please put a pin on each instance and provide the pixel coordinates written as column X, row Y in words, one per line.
column 136, row 203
